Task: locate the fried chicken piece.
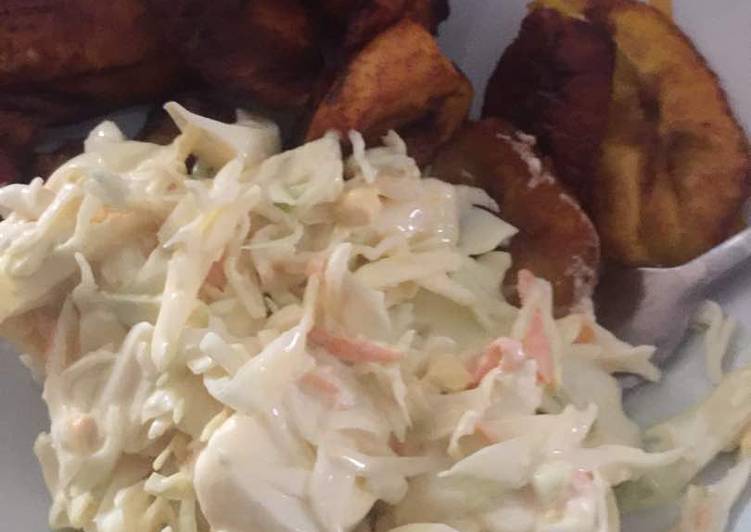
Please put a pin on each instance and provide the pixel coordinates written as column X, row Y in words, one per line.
column 554, row 82
column 400, row 81
column 675, row 164
column 42, row 40
column 556, row 239
column 268, row 49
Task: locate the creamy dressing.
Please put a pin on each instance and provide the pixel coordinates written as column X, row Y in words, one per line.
column 300, row 342
column 239, row 485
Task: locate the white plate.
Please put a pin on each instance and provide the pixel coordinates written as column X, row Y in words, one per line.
column 474, row 37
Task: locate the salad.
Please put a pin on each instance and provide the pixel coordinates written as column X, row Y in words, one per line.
column 237, row 338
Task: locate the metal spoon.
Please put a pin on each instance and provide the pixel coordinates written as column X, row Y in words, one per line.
column 654, row 306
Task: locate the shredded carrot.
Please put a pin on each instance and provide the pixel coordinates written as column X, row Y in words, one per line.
column 397, row 446
column 582, row 480
column 43, row 327
column 352, row 350
column 702, row 517
column 216, row 276
column 525, row 280
column 586, row 335
column 502, row 351
column 537, row 346
column 486, row 433
column 322, row 383
column 315, row 266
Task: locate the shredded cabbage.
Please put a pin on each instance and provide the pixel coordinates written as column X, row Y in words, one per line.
column 295, row 341
column 718, row 332
column 707, row 508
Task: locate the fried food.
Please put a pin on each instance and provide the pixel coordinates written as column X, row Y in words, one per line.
column 80, row 96
column 150, row 80
column 17, row 134
column 556, row 239
column 400, row 81
column 554, row 81
column 360, row 21
column 429, row 13
column 49, row 39
column 26, row 109
column 267, row 49
column 666, row 6
column 675, row 165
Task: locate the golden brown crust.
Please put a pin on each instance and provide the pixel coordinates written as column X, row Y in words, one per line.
column 374, row 16
column 554, row 82
column 267, row 49
column 152, row 79
column 675, row 163
column 401, row 81
column 45, row 39
column 26, row 109
column 556, row 239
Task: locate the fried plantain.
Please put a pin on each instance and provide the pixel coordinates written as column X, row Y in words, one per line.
column 675, row 164
column 367, row 19
column 556, row 239
column 429, row 13
column 554, row 81
column 152, row 79
column 400, row 81
column 666, row 6
column 47, row 39
column 268, row 49
column 26, row 109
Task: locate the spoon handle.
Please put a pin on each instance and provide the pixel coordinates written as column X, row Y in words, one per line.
column 721, row 260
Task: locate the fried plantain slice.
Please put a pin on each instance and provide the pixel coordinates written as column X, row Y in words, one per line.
column 556, row 239
column 265, row 48
column 429, row 13
column 675, row 164
column 554, row 81
column 27, row 109
column 149, row 80
column 400, row 81
column 368, row 19
column 48, row 39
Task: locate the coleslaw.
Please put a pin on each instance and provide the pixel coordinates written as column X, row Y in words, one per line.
column 301, row 341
